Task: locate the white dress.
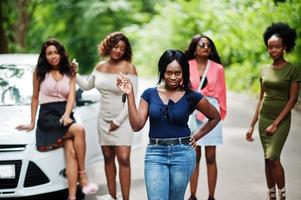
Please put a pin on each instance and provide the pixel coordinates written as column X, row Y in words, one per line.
column 111, row 107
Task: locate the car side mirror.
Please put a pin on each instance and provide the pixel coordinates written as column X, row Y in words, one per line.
column 78, row 97
column 86, row 97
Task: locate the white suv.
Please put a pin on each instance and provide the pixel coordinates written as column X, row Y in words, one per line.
column 24, row 171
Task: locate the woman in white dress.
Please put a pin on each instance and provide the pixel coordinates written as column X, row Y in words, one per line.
column 115, row 133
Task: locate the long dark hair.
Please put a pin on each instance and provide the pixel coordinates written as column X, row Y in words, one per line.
column 167, row 57
column 190, row 51
column 44, row 67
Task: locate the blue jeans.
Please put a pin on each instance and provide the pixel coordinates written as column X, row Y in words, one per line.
column 167, row 170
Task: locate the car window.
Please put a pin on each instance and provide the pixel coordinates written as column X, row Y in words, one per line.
column 15, row 84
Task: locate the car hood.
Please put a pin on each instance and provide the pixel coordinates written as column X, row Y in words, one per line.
column 10, row 117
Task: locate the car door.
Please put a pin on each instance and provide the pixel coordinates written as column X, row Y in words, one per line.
column 86, row 112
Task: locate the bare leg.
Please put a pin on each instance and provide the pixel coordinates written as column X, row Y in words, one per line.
column 77, row 133
column 279, row 178
column 270, row 178
column 278, row 173
column 123, row 155
column 110, row 168
column 269, row 174
column 71, row 167
column 195, row 174
column 211, row 169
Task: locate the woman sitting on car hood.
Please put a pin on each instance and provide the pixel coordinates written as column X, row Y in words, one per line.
column 54, row 90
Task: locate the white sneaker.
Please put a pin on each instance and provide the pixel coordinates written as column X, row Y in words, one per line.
column 119, row 197
column 107, row 197
column 282, row 193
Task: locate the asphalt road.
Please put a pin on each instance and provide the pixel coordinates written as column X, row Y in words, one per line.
column 240, row 163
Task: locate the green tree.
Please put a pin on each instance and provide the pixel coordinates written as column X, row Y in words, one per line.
column 152, row 26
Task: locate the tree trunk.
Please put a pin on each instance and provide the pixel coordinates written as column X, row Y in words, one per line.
column 3, row 37
column 22, row 24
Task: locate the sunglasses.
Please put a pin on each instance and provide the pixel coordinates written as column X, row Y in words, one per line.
column 203, row 45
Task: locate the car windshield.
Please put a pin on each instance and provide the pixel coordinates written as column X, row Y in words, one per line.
column 15, row 85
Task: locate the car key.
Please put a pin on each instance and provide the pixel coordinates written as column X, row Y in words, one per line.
column 123, row 99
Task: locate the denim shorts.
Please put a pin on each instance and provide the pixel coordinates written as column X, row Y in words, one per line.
column 167, row 170
column 215, row 136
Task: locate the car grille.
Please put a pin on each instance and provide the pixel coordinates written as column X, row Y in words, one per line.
column 11, row 183
column 34, row 176
column 12, row 147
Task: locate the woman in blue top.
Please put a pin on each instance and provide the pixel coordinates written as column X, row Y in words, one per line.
column 170, row 157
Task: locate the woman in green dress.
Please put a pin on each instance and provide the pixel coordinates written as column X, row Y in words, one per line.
column 279, row 86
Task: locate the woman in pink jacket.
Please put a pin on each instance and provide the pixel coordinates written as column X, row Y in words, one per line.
column 202, row 54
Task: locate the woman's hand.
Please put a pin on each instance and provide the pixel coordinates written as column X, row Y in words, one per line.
column 65, row 120
column 25, row 127
column 124, row 84
column 249, row 135
column 192, row 142
column 113, row 126
column 74, row 66
column 270, row 130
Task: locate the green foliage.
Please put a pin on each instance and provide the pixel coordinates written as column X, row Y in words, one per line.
column 79, row 25
column 243, row 77
column 236, row 26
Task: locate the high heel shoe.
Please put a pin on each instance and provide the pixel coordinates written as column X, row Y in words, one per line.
column 282, row 193
column 271, row 194
column 90, row 188
column 71, row 198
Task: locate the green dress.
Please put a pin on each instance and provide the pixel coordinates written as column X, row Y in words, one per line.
column 276, row 84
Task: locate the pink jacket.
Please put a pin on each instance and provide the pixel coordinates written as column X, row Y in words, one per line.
column 216, row 85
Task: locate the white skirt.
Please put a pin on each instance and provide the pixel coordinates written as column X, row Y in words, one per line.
column 123, row 136
column 215, row 136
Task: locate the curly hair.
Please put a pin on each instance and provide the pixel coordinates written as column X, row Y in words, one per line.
column 283, row 31
column 167, row 57
column 110, row 41
column 44, row 67
column 190, row 51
